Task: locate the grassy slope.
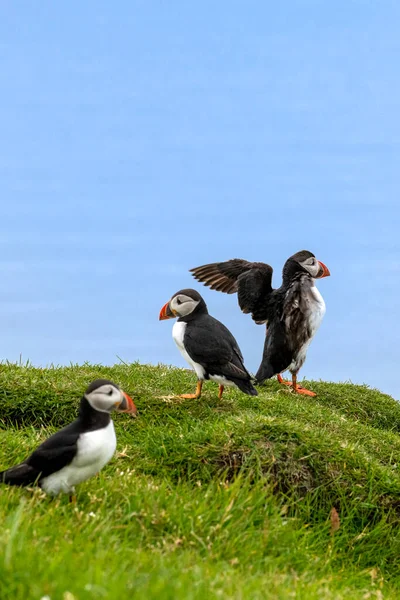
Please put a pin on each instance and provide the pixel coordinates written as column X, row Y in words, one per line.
column 206, row 499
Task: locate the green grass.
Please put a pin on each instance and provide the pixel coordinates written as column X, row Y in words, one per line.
column 206, row 498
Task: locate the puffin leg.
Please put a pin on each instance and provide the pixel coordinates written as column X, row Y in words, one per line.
column 220, row 391
column 299, row 388
column 193, row 396
column 281, row 380
column 72, row 498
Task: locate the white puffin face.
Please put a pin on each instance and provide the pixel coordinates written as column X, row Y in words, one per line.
column 182, row 305
column 106, row 398
column 312, row 266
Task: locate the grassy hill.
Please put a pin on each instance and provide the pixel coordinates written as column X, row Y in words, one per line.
column 206, row 498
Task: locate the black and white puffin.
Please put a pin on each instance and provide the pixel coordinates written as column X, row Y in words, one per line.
column 292, row 312
column 206, row 344
column 79, row 450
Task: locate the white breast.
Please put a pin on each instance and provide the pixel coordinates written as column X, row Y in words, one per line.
column 95, row 449
column 317, row 310
column 178, row 333
column 314, row 316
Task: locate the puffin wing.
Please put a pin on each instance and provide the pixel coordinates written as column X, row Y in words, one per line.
column 20, row 475
column 56, row 452
column 213, row 346
column 295, row 309
column 254, row 286
column 251, row 281
column 222, row 276
column 51, row 456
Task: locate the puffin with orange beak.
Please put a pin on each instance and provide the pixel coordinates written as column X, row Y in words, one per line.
column 79, row 450
column 292, row 312
column 206, row 344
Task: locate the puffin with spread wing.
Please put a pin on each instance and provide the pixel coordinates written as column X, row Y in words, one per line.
column 292, row 313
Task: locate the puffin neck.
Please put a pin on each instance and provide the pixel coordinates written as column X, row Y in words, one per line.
column 91, row 418
column 201, row 309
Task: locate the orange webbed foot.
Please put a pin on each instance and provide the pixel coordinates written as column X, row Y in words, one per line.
column 300, row 390
column 297, row 389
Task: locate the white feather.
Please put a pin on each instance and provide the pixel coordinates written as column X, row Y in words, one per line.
column 222, row 380
column 178, row 333
column 317, row 310
column 314, row 316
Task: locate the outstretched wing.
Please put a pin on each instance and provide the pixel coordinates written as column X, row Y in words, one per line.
column 222, row 276
column 251, row 281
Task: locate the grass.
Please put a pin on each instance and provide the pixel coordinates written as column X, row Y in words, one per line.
column 207, row 498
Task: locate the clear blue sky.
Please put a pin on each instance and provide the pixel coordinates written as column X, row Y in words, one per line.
column 140, row 139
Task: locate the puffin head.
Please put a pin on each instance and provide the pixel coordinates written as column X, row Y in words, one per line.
column 182, row 304
column 305, row 261
column 105, row 396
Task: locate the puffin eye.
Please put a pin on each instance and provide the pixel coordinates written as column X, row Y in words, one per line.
column 110, row 393
column 178, row 301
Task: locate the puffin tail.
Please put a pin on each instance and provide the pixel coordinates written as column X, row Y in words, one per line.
column 19, row 475
column 246, row 386
column 277, row 353
column 265, row 371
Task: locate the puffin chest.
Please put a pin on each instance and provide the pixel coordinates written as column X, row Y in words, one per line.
column 178, row 334
column 96, row 448
column 316, row 309
column 313, row 310
column 304, row 316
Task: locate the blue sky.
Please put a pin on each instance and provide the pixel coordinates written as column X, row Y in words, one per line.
column 140, row 139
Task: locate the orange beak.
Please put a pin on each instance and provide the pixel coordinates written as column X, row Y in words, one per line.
column 166, row 313
column 325, row 270
column 127, row 405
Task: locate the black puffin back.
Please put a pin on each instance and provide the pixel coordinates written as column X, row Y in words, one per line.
column 210, row 343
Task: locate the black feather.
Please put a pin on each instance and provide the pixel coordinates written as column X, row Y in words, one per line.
column 210, row 344
column 251, row 281
column 20, row 475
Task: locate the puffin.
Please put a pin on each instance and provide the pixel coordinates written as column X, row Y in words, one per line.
column 206, row 344
column 79, row 450
column 292, row 313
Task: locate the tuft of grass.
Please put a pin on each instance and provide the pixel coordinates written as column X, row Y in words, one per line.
column 206, row 498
